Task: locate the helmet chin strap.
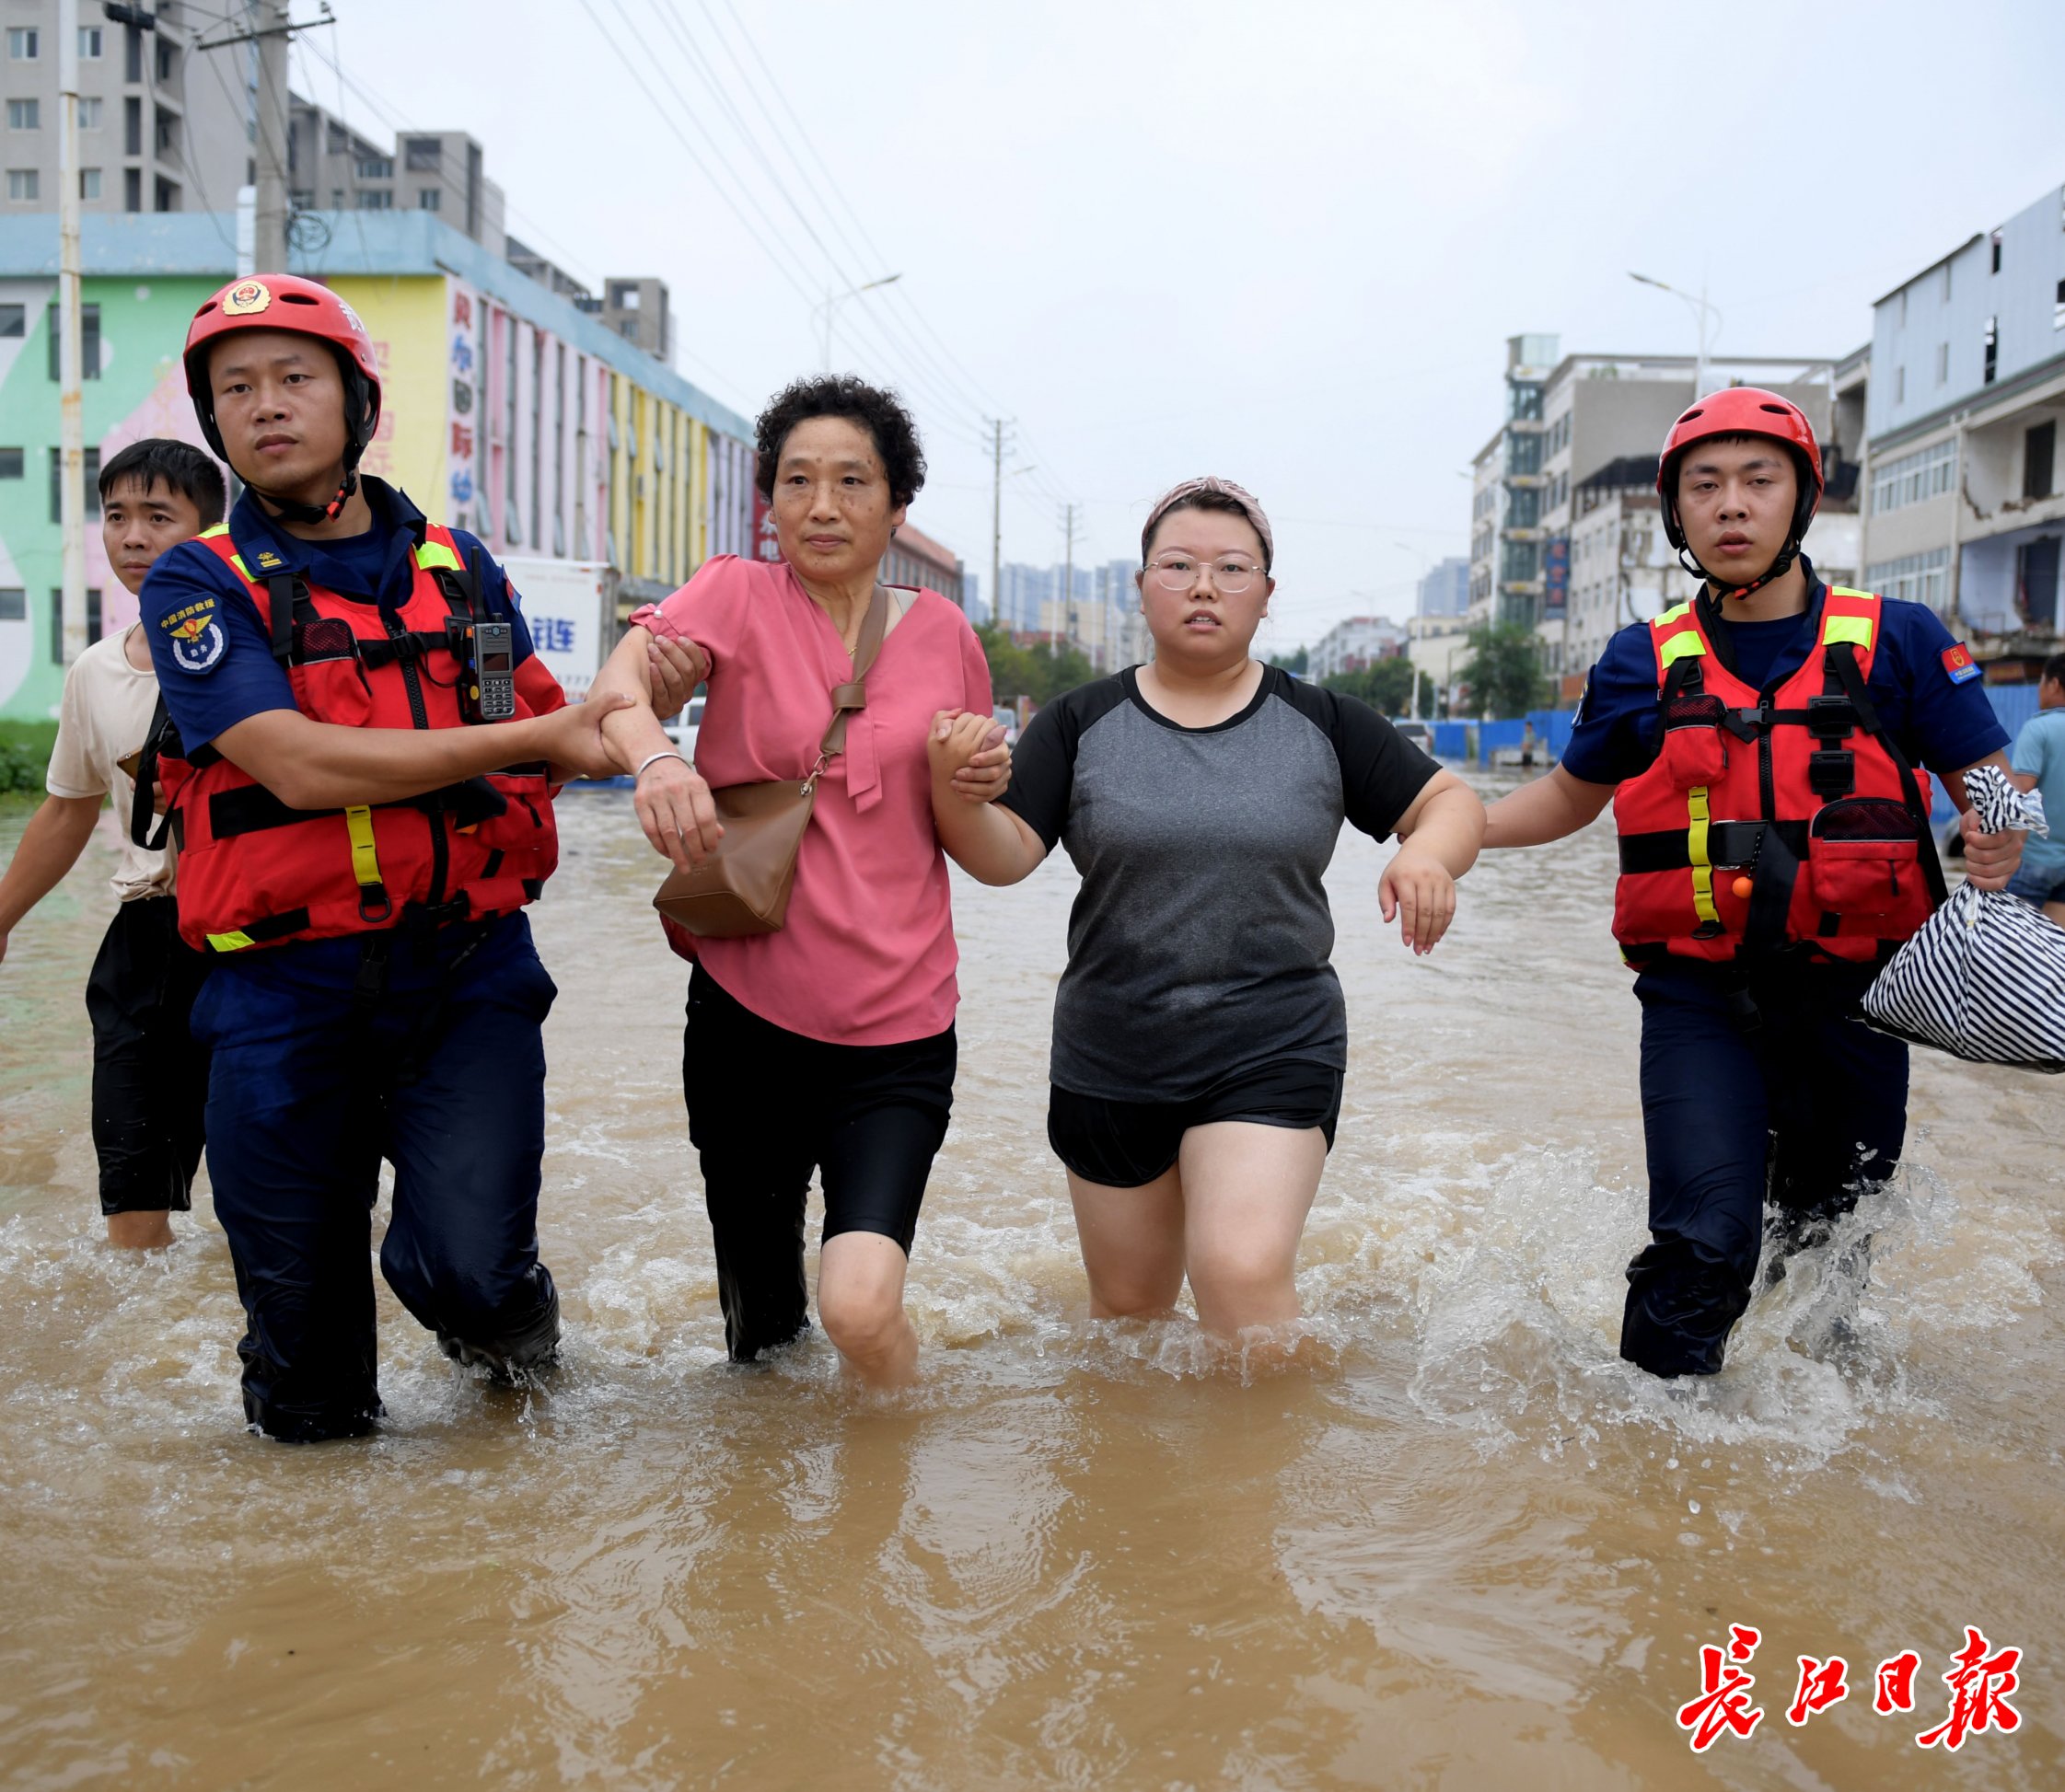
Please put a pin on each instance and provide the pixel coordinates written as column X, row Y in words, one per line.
column 293, row 510
column 1723, row 589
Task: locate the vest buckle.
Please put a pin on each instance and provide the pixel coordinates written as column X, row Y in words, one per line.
column 1832, row 774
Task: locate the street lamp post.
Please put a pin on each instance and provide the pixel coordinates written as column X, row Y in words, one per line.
column 833, row 300
column 1701, row 309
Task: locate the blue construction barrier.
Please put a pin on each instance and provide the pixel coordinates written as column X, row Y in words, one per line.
column 2013, row 704
column 1452, row 740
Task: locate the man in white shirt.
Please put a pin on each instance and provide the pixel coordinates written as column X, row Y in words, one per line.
column 150, row 1081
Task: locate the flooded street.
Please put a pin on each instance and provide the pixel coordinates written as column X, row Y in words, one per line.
column 1464, row 1546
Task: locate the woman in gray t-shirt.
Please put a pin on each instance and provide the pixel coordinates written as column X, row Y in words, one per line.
column 1200, row 1034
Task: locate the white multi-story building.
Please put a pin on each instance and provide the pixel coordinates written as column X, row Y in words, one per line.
column 1444, row 589
column 1965, row 505
column 1353, row 644
column 162, row 127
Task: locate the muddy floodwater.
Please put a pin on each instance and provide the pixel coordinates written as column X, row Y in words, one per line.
column 1461, row 1545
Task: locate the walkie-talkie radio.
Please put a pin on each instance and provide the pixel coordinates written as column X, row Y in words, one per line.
column 487, row 656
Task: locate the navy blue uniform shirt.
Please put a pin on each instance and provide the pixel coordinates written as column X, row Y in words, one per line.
column 213, row 656
column 1943, row 726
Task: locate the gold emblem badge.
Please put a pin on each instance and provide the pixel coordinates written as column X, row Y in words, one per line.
column 247, row 297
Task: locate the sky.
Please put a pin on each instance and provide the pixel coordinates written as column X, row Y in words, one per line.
column 1284, row 243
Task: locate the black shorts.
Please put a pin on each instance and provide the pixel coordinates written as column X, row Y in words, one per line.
column 150, row 1081
column 1128, row 1144
column 767, row 1108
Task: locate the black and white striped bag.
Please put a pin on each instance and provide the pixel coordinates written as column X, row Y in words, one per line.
column 1985, row 977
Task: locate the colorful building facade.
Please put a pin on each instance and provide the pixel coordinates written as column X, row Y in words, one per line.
column 507, row 411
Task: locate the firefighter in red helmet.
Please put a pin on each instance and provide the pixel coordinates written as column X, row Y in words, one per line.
column 360, row 763
column 1767, row 746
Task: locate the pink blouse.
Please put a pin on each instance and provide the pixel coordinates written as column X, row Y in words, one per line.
column 866, row 955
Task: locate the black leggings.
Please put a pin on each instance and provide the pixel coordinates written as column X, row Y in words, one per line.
column 768, row 1106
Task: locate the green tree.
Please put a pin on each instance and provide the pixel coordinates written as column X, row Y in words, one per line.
column 1505, row 671
column 1386, row 686
column 1293, row 663
column 1041, row 673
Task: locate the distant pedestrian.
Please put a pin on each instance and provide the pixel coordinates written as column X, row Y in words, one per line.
column 828, row 1045
column 150, row 1081
column 2038, row 764
column 1200, row 1033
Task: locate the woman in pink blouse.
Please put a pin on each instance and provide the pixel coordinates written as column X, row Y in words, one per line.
column 828, row 1045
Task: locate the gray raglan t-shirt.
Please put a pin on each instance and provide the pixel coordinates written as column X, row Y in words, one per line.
column 1198, row 946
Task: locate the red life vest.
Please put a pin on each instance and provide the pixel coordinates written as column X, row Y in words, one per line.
column 1797, row 797
column 255, row 872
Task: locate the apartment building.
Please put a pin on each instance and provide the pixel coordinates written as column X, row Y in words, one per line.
column 1571, row 418
column 1965, row 506
column 1355, row 644
column 509, row 410
column 162, row 126
column 1445, row 588
column 331, row 168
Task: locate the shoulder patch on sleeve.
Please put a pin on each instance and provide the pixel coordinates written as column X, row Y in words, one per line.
column 197, row 640
column 1958, row 664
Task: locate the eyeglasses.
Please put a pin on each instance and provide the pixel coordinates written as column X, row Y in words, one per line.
column 1181, row 572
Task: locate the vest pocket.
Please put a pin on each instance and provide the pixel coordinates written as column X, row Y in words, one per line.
column 523, row 835
column 334, row 690
column 1865, row 856
column 1695, row 750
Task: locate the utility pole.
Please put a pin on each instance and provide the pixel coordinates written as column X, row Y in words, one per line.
column 269, row 239
column 1068, row 568
column 71, row 412
column 271, row 33
column 997, row 518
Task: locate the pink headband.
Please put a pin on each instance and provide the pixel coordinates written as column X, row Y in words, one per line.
column 1177, row 496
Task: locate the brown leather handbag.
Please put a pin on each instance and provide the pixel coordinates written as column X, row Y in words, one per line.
column 743, row 887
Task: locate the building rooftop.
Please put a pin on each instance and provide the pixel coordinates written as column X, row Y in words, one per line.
column 140, row 245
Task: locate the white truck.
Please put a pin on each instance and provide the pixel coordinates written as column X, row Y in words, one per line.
column 571, row 606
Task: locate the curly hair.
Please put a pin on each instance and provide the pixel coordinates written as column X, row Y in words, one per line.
column 879, row 413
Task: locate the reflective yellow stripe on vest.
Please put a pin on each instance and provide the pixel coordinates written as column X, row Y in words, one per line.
column 366, row 863
column 431, row 557
column 1696, row 849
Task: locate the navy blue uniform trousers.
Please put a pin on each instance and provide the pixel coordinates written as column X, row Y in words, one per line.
column 1804, row 1104
column 443, row 1074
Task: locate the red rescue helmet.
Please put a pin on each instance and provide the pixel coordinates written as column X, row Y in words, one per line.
column 1742, row 410
column 302, row 307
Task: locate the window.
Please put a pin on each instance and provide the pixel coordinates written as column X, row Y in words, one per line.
column 1996, row 245
column 132, row 54
column 14, row 321
column 89, row 112
column 89, row 183
column 2039, row 454
column 13, row 603
column 24, row 44
column 92, row 485
column 1942, row 364
column 1912, row 579
column 133, row 189
column 2057, row 310
column 375, row 167
column 1899, row 386
column 166, row 196
column 10, row 463
column 57, row 621
column 429, row 199
column 22, row 185
column 25, row 115
column 133, row 130
column 90, row 43
column 421, row 155
column 1927, row 473
column 168, row 137
column 624, row 297
column 168, row 62
column 90, row 342
column 338, row 141
column 374, row 199
column 1992, row 349
column 1946, row 283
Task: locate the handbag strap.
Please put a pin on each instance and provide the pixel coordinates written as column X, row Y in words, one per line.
column 848, row 698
